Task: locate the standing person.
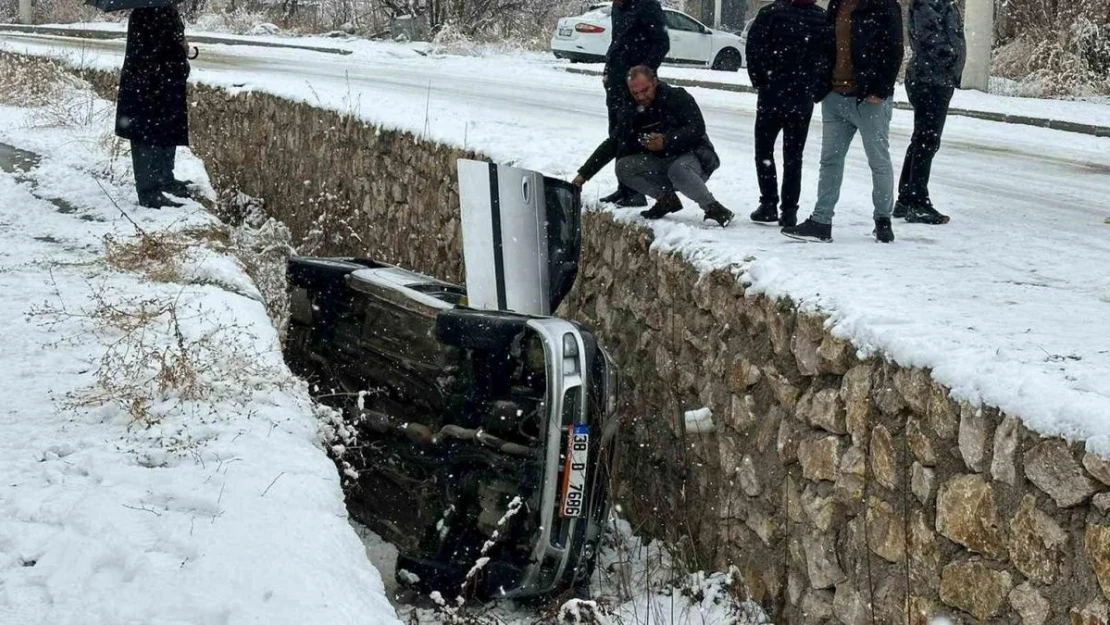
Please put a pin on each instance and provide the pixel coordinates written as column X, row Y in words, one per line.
column 662, row 149
column 639, row 37
column 936, row 69
column 864, row 63
column 787, row 55
column 151, row 110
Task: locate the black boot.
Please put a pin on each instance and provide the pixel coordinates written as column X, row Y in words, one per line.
column 900, row 209
column 625, row 197
column 663, row 206
column 789, row 217
column 924, row 213
column 767, row 213
column 883, row 232
column 719, row 214
column 157, row 200
column 179, row 188
column 810, row 230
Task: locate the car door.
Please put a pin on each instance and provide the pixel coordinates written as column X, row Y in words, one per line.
column 690, row 41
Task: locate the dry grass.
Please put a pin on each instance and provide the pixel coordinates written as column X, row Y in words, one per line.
column 1055, row 49
column 30, row 81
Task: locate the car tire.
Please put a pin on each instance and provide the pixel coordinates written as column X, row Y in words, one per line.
column 728, row 60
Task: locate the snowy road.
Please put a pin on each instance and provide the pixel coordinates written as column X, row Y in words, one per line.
column 1009, row 304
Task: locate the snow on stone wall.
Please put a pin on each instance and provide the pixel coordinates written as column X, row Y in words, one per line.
column 845, row 489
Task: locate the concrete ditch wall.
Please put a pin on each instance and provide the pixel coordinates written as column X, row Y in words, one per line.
column 845, row 490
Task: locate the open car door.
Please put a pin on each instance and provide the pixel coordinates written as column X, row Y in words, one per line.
column 522, row 237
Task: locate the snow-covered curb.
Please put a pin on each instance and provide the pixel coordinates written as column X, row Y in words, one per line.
column 208, row 500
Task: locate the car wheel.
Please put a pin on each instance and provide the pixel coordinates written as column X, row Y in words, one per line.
column 728, row 60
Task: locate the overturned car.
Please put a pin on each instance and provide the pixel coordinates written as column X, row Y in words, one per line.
column 485, row 425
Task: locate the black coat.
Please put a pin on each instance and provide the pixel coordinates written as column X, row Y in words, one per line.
column 673, row 114
column 152, row 107
column 937, row 40
column 877, row 47
column 639, row 38
column 787, row 51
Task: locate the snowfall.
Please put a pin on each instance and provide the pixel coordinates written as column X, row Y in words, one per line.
column 180, row 515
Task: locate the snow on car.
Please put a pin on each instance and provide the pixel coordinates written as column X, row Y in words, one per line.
column 486, row 426
column 586, row 38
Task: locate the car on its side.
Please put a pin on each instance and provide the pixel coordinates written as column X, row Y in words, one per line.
column 586, row 37
column 485, row 437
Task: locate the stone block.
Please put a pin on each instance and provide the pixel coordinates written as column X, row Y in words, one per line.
column 975, row 588
column 1037, row 543
column 1030, row 605
column 883, row 459
column 820, row 458
column 822, row 409
column 886, row 533
column 973, row 436
column 1096, row 546
column 849, row 607
column 821, row 561
column 1006, row 439
column 1097, row 466
column 1052, row 467
column 922, row 482
column 921, row 446
column 966, row 514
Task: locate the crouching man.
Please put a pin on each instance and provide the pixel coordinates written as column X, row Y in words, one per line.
column 661, row 148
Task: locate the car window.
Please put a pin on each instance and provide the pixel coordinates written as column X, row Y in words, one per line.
column 678, row 21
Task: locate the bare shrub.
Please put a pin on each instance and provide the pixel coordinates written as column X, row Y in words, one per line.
column 1055, row 48
column 28, row 81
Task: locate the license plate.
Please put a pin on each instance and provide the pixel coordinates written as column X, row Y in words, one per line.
column 565, row 32
column 574, row 472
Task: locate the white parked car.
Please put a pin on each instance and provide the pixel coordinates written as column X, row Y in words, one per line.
column 586, row 38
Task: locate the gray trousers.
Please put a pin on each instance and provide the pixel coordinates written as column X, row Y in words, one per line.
column 842, row 116
column 153, row 165
column 656, row 176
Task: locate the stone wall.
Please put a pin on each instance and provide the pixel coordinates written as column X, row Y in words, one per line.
column 845, row 490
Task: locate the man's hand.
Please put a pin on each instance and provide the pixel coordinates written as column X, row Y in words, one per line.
column 605, row 78
column 654, row 142
column 578, row 181
column 874, row 99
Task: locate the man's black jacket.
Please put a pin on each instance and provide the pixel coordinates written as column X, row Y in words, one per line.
column 877, row 47
column 787, row 51
column 639, row 37
column 673, row 114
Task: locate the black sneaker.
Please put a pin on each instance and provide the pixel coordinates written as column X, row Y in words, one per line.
column 810, row 230
column 789, row 217
column 614, row 196
column 883, row 232
column 767, row 213
column 924, row 213
column 663, row 206
column 179, row 188
column 900, row 209
column 631, row 200
column 719, row 214
column 157, row 200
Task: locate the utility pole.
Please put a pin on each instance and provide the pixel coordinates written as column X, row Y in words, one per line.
column 979, row 32
column 24, row 11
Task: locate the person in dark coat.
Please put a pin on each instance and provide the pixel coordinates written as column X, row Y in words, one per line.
column 787, row 53
column 936, row 33
column 151, row 110
column 857, row 95
column 661, row 148
column 639, row 37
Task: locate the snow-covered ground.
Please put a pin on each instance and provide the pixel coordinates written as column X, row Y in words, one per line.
column 158, row 462
column 1009, row 304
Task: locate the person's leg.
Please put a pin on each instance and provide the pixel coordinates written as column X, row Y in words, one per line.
column 143, row 161
column 619, row 103
column 167, row 156
column 932, row 108
column 688, row 178
column 837, row 132
column 645, row 174
column 795, row 135
column 874, row 129
column 768, row 124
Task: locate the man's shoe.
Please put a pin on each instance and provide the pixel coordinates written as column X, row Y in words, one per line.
column 631, row 200
column 883, row 232
column 663, row 206
column 157, row 200
column 614, row 196
column 719, row 214
column 180, row 188
column 810, row 230
column 900, row 209
column 924, row 213
column 789, row 217
column 767, row 213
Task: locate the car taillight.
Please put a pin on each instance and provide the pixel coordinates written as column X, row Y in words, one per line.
column 588, row 28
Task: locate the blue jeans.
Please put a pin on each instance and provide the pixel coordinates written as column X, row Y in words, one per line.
column 842, row 116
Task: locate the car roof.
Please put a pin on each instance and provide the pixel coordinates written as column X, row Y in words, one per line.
column 402, row 281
